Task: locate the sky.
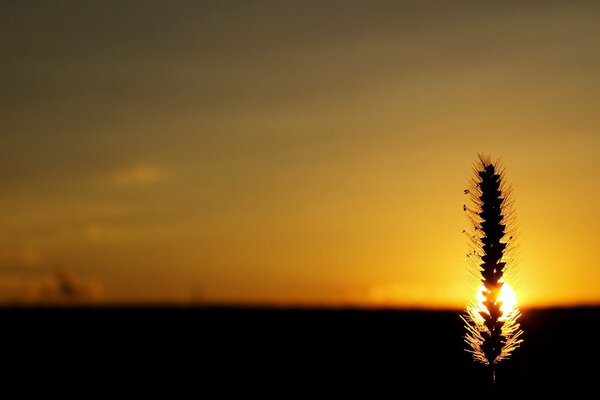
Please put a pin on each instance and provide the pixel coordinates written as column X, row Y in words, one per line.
column 286, row 152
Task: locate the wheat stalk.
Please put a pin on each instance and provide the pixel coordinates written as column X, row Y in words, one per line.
column 493, row 331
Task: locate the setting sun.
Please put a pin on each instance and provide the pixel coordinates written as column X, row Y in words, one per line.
column 507, row 298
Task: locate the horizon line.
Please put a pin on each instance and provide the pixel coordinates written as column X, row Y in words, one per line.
column 232, row 305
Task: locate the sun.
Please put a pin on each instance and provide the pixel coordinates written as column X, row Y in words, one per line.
column 507, row 297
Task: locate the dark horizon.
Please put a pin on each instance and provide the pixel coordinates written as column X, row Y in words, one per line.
column 276, row 351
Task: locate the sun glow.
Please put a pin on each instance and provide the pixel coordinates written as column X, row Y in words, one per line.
column 478, row 330
column 507, row 298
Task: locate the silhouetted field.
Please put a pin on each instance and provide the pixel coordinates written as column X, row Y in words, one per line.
column 291, row 352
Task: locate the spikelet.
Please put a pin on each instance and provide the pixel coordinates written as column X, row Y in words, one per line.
column 493, row 330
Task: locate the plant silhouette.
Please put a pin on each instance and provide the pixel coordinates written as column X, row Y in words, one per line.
column 492, row 328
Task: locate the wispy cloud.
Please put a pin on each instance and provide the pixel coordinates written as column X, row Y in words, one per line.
column 49, row 288
column 139, row 174
column 62, row 288
column 25, row 256
column 101, row 233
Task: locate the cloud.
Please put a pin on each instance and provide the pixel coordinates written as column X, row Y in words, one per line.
column 20, row 256
column 11, row 287
column 101, row 233
column 140, row 175
column 64, row 288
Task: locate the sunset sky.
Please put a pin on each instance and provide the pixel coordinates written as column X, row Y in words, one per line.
column 311, row 152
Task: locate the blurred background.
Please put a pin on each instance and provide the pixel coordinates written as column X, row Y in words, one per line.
column 292, row 153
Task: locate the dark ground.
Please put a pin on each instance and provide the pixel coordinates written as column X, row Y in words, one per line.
column 219, row 352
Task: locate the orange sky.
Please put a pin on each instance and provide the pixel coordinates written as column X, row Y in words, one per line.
column 278, row 152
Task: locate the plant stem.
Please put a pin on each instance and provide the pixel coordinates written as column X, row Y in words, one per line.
column 493, row 395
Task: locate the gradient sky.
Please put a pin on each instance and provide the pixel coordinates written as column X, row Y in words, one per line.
column 293, row 152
